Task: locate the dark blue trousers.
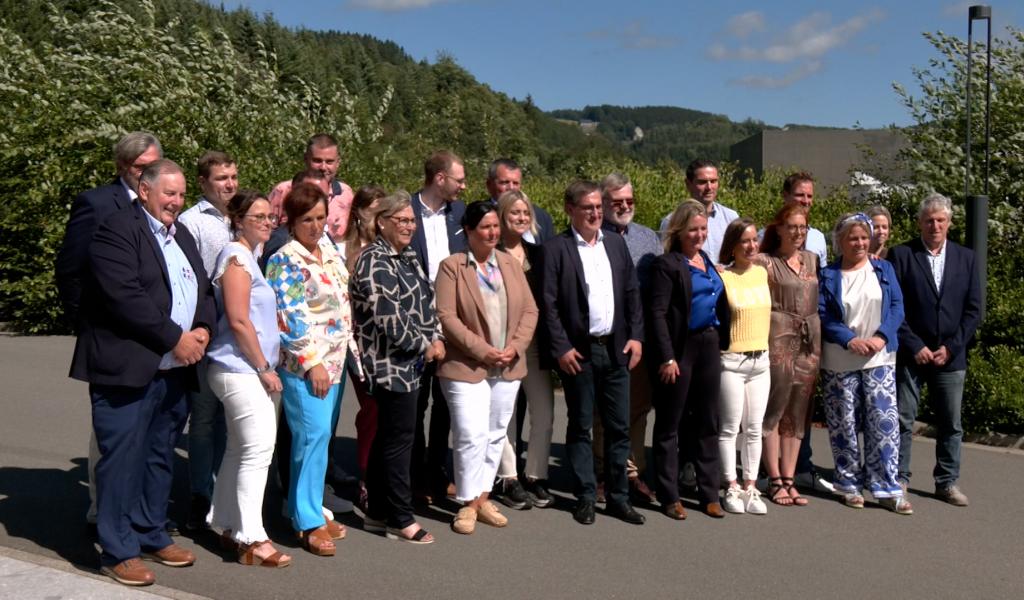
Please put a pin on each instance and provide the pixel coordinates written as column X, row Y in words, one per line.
column 136, row 430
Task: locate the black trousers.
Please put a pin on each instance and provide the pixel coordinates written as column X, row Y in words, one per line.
column 430, row 456
column 388, row 487
column 602, row 386
column 686, row 415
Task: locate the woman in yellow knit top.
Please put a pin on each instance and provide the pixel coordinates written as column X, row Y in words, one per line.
column 745, row 367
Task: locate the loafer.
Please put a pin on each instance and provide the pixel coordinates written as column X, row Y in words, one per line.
column 951, row 495
column 465, row 521
column 625, row 512
column 640, row 493
column 489, row 515
column 584, row 513
column 675, row 511
column 130, row 572
column 714, row 510
column 171, row 556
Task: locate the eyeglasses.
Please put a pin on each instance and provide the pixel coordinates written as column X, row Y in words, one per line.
column 272, row 219
column 460, row 181
column 402, row 222
column 796, row 228
column 589, row 208
column 620, row 202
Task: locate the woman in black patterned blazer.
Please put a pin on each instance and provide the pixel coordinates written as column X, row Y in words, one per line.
column 398, row 331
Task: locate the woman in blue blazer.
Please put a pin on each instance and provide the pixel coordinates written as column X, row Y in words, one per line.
column 861, row 309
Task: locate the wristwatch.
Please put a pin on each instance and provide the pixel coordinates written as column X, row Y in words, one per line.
column 263, row 369
column 668, row 362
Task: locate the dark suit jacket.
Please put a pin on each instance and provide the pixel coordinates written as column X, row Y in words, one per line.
column 947, row 317
column 88, row 211
column 668, row 299
column 564, row 306
column 126, row 325
column 453, row 219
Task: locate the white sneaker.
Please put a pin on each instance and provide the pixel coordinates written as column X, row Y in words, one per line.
column 733, row 501
column 752, row 501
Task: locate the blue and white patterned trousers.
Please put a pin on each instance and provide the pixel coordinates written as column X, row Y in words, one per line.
column 864, row 401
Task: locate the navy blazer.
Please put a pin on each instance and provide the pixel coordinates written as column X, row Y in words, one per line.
column 830, row 304
column 126, row 322
column 453, row 219
column 565, row 310
column 948, row 317
column 89, row 209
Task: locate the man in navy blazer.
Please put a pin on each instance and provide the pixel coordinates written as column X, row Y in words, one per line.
column 132, row 153
column 504, row 175
column 147, row 314
column 591, row 302
column 942, row 297
column 438, row 234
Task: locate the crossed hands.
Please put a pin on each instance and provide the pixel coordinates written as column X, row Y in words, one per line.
column 938, row 358
column 191, row 346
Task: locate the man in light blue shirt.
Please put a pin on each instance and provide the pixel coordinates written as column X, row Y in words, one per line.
column 798, row 188
column 702, row 184
column 207, row 431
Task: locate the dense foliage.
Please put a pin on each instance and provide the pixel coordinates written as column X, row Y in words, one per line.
column 669, row 133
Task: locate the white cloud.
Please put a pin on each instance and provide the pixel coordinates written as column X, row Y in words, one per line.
column 744, row 24
column 809, row 38
column 393, row 5
column 767, row 82
column 633, row 36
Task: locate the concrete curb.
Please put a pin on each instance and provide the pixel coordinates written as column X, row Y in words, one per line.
column 995, row 440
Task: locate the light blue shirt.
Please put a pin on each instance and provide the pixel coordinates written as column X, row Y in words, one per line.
column 937, row 262
column 224, row 350
column 816, row 243
column 184, row 286
column 211, row 230
column 719, row 218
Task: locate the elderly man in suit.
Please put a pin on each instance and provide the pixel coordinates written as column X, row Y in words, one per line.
column 942, row 295
column 132, row 153
column 146, row 318
column 591, row 303
column 438, row 235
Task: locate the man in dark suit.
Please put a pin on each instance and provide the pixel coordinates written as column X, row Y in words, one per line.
column 942, row 297
column 147, row 313
column 591, row 303
column 132, row 153
column 505, row 174
column 438, row 234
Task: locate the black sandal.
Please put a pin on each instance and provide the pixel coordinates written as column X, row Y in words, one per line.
column 777, row 491
column 787, row 484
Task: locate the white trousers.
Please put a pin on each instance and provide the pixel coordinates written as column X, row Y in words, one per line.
column 480, row 414
column 742, row 402
column 540, row 400
column 251, row 417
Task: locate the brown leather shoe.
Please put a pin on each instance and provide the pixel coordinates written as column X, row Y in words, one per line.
column 675, row 511
column 130, row 572
column 714, row 509
column 171, row 556
column 639, row 492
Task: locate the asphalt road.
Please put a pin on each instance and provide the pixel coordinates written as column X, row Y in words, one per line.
column 821, row 550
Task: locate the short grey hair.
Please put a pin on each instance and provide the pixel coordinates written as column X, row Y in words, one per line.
column 934, row 202
column 164, row 166
column 611, row 182
column 132, row 146
column 389, row 205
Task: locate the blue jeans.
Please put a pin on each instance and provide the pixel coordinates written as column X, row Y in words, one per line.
column 207, row 436
column 310, row 420
column 945, row 395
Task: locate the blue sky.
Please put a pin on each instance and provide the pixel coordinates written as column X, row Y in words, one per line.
column 787, row 61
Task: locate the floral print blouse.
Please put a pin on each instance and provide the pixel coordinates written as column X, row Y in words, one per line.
column 313, row 311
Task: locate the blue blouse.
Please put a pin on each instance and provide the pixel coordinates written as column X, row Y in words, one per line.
column 707, row 288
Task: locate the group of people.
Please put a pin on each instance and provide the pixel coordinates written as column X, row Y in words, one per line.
column 245, row 315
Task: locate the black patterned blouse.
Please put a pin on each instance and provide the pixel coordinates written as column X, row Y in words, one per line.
column 393, row 310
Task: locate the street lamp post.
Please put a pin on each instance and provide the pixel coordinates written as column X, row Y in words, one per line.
column 977, row 205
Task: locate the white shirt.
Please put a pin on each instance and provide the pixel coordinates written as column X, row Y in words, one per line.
column 435, row 232
column 938, row 264
column 862, row 308
column 127, row 188
column 597, row 275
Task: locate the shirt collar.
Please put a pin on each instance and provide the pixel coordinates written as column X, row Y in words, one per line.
column 158, row 228
column 942, row 249
column 128, row 189
column 492, row 260
column 207, row 207
column 429, row 212
column 581, row 241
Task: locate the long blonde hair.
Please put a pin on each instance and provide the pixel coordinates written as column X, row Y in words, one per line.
column 680, row 220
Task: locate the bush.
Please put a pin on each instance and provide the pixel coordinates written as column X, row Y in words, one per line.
column 994, row 391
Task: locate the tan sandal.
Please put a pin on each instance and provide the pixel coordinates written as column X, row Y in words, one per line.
column 336, row 530
column 317, row 541
column 247, row 556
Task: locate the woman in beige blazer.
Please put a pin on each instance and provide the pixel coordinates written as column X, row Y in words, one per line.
column 488, row 316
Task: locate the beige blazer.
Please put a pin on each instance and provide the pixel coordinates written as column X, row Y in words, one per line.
column 461, row 312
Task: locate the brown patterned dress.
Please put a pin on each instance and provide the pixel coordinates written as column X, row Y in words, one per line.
column 794, row 342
